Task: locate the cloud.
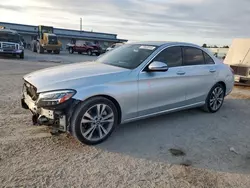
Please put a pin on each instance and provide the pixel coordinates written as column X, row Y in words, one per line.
column 210, row 21
column 10, row 7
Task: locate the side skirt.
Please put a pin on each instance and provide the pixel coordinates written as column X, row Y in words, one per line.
column 164, row 112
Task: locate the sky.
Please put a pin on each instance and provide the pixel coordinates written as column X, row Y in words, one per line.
column 197, row 21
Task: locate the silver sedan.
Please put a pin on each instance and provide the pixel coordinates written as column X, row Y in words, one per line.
column 134, row 81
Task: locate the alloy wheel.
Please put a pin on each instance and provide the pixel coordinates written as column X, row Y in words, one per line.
column 216, row 99
column 97, row 122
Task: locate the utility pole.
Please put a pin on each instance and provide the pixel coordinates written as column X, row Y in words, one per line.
column 80, row 24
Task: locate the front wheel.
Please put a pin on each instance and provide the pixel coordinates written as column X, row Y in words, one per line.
column 94, row 120
column 89, row 52
column 39, row 48
column 21, row 55
column 33, row 48
column 215, row 98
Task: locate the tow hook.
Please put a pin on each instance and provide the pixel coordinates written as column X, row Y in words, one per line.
column 39, row 120
column 42, row 120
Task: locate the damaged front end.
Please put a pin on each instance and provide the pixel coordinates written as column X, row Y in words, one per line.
column 53, row 108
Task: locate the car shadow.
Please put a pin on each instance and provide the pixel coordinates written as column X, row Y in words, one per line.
column 218, row 141
column 9, row 56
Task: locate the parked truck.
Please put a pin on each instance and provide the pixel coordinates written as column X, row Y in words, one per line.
column 46, row 40
column 238, row 57
column 11, row 43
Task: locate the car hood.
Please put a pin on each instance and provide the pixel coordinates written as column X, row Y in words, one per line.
column 74, row 76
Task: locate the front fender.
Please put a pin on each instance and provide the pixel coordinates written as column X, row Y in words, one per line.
column 124, row 93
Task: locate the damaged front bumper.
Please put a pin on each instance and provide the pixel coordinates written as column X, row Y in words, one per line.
column 58, row 117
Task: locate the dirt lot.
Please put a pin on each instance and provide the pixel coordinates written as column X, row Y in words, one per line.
column 217, row 146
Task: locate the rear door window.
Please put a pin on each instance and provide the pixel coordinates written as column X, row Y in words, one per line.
column 208, row 59
column 192, row 56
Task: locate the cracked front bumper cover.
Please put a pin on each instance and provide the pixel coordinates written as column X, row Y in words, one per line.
column 58, row 116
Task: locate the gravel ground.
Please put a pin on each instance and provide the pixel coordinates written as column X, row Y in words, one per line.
column 136, row 155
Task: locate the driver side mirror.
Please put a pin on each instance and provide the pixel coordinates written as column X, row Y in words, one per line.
column 157, row 66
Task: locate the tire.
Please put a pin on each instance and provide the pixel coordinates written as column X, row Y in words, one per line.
column 216, row 94
column 33, row 47
column 49, row 51
column 97, row 54
column 79, row 52
column 243, row 81
column 71, row 51
column 96, row 134
column 21, row 55
column 89, row 52
column 57, row 51
column 39, row 48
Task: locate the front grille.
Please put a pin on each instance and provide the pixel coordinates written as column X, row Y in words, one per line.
column 52, row 40
column 7, row 46
column 238, row 70
column 31, row 91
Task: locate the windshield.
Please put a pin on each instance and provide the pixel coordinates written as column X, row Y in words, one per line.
column 9, row 37
column 128, row 56
column 90, row 43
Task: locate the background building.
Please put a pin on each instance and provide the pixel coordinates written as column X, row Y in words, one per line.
column 65, row 35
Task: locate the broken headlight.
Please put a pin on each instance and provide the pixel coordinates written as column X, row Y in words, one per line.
column 54, row 97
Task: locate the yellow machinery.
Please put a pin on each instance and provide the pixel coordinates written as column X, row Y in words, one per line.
column 46, row 40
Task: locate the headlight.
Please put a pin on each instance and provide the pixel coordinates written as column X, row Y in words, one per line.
column 54, row 97
column 21, row 47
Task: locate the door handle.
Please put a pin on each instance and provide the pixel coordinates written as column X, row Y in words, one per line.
column 212, row 70
column 180, row 73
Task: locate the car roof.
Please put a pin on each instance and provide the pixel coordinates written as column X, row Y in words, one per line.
column 164, row 43
column 8, row 31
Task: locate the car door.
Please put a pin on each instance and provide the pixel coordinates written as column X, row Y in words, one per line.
column 78, row 46
column 84, row 47
column 161, row 91
column 200, row 74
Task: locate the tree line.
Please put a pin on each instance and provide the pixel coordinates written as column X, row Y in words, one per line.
column 206, row 46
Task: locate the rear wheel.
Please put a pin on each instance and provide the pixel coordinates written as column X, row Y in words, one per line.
column 215, row 98
column 243, row 81
column 57, row 51
column 79, row 52
column 49, row 51
column 71, row 51
column 94, row 120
